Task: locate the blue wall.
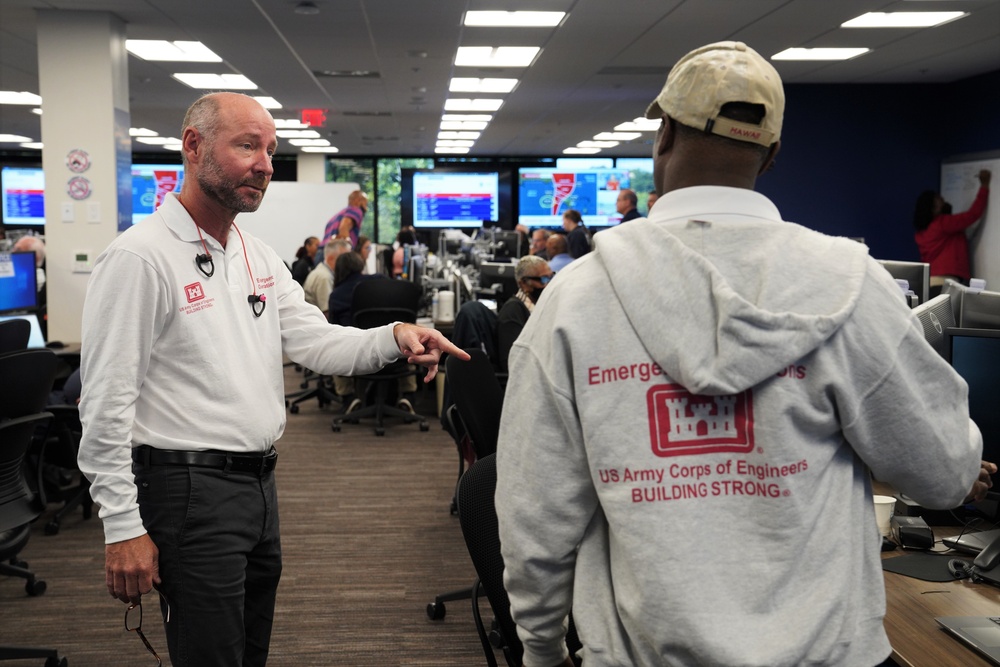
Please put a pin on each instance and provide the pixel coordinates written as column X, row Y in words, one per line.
column 855, row 157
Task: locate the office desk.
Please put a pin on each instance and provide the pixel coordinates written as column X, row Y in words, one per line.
column 911, row 605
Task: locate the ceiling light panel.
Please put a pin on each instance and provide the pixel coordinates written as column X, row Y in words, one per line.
column 268, row 102
column 455, row 142
column 158, row 141
column 597, row 144
column 576, row 150
column 476, row 104
column 179, row 52
column 514, row 19
column 459, row 135
column 13, row 97
column 639, row 125
column 308, row 142
column 463, row 125
column 13, row 139
column 472, row 85
column 320, row 149
column 819, row 54
column 617, row 136
column 467, row 116
column 496, row 56
column 141, row 132
column 901, row 19
column 451, row 150
column 298, row 134
column 203, row 81
column 289, row 124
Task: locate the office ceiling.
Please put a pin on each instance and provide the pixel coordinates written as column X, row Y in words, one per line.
column 599, row 68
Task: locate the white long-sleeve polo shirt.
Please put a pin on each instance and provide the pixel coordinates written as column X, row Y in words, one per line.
column 176, row 359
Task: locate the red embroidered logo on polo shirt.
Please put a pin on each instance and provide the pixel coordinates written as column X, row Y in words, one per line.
column 194, row 292
column 683, row 423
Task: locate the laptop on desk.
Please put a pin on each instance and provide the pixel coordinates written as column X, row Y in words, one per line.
column 982, row 633
column 971, row 543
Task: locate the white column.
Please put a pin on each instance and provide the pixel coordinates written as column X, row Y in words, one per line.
column 83, row 81
column 311, row 168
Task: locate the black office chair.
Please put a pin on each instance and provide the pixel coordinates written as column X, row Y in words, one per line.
column 478, row 401
column 57, row 458
column 18, row 508
column 28, row 376
column 479, row 398
column 321, row 391
column 373, row 304
column 478, row 517
column 14, row 335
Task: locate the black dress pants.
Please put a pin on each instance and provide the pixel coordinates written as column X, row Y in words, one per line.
column 219, row 560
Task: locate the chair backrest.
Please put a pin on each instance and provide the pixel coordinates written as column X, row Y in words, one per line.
column 14, row 335
column 377, row 302
column 18, row 506
column 478, row 518
column 28, row 376
column 477, row 393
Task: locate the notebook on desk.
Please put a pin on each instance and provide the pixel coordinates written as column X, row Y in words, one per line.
column 971, row 543
column 982, row 633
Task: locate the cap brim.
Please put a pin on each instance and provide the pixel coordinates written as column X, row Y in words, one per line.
column 653, row 111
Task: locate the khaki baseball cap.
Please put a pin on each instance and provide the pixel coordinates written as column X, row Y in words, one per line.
column 712, row 75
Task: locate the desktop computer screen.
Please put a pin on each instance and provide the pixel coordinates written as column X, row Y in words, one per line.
column 23, row 199
column 936, row 317
column 916, row 274
column 975, row 355
column 18, row 282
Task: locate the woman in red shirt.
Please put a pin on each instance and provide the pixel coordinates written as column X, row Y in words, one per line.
column 940, row 235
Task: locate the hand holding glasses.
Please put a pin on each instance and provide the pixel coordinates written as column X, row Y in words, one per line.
column 133, row 623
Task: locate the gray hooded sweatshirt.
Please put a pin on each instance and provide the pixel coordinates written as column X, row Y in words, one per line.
column 693, row 414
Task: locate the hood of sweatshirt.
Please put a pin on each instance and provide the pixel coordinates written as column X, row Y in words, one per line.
column 723, row 293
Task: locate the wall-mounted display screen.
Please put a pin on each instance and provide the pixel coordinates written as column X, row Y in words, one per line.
column 450, row 199
column 23, row 196
column 150, row 185
column 545, row 193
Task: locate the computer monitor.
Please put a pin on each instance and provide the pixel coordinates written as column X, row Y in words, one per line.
column 980, row 310
column 18, row 282
column 975, row 355
column 23, row 202
column 916, row 274
column 936, row 317
column 496, row 279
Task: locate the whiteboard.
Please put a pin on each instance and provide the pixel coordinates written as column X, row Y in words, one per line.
column 292, row 211
column 959, row 186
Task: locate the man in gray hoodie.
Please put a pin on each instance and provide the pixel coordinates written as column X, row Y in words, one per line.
column 746, row 392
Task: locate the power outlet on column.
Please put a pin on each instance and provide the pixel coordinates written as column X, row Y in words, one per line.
column 67, row 211
column 93, row 212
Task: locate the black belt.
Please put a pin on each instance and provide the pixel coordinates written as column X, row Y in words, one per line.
column 260, row 465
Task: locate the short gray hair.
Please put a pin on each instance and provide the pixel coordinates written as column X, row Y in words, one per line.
column 526, row 264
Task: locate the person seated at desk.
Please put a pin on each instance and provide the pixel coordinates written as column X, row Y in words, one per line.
column 577, row 235
column 558, row 251
column 364, row 248
column 532, row 274
column 319, row 283
column 405, row 237
column 304, row 258
column 348, row 272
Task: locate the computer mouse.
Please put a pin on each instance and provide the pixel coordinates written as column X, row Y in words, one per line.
column 55, row 344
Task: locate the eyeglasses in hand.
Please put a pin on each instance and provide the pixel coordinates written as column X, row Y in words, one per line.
column 133, row 623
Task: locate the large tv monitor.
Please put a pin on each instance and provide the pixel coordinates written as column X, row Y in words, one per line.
column 916, row 274
column 23, row 196
column 150, row 185
column 936, row 317
column 545, row 193
column 18, row 282
column 975, row 355
column 447, row 199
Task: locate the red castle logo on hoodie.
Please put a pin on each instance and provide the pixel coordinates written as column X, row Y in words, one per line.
column 682, row 423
